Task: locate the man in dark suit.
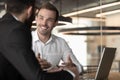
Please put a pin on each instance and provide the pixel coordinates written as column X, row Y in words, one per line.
column 17, row 60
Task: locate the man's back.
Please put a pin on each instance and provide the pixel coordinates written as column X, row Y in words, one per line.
column 7, row 70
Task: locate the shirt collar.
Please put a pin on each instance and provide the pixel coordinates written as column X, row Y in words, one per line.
column 15, row 17
column 36, row 38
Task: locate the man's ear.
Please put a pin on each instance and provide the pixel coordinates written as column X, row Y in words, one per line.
column 29, row 11
column 5, row 6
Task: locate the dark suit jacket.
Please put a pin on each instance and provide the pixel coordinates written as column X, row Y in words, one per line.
column 17, row 60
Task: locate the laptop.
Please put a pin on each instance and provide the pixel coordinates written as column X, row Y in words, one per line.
column 105, row 64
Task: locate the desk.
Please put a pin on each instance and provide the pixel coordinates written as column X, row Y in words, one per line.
column 112, row 75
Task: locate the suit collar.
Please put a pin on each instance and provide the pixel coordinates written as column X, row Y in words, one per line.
column 8, row 16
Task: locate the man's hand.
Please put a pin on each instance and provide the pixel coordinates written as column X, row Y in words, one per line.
column 44, row 64
column 55, row 69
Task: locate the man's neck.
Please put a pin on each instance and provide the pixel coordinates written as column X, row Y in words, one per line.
column 20, row 18
column 43, row 38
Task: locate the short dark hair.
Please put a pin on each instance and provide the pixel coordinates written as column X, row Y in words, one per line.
column 17, row 6
column 49, row 6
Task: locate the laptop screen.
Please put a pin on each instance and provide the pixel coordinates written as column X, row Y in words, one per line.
column 105, row 63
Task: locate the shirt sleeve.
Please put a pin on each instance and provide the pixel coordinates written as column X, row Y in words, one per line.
column 67, row 51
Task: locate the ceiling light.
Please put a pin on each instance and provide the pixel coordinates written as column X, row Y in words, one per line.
column 96, row 30
column 64, row 20
column 107, row 13
column 92, row 9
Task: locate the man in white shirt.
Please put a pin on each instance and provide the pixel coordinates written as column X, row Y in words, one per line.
column 49, row 48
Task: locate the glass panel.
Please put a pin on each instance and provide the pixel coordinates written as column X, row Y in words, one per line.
column 95, row 25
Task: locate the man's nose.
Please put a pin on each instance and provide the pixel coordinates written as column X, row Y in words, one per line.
column 44, row 22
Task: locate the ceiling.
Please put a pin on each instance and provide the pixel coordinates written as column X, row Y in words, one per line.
column 68, row 6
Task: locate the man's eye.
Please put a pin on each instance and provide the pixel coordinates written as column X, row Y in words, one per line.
column 51, row 20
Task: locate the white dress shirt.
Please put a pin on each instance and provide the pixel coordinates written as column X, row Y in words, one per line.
column 54, row 50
